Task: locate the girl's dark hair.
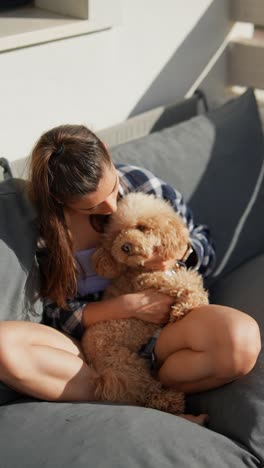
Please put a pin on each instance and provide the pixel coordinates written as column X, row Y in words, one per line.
column 67, row 162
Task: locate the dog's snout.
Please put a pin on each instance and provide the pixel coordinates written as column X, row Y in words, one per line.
column 127, row 248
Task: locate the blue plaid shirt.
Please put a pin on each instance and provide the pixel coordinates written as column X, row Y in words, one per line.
column 135, row 179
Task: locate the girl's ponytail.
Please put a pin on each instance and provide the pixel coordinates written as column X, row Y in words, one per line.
column 66, row 162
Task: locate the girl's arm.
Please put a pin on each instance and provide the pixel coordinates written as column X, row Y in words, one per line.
column 148, row 305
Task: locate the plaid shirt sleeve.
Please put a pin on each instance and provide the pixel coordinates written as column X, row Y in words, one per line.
column 136, row 179
column 66, row 320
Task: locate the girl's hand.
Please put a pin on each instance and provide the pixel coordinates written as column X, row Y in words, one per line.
column 150, row 305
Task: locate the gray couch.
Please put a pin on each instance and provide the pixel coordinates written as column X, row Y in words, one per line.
column 216, row 161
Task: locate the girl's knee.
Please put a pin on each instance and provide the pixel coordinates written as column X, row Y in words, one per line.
column 241, row 348
column 233, row 339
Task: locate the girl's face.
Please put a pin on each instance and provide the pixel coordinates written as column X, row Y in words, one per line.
column 104, row 200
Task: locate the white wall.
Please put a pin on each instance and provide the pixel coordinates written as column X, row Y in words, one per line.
column 102, row 78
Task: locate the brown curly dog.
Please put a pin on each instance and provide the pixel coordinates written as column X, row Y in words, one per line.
column 141, row 226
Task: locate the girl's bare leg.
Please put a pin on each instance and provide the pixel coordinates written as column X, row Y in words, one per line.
column 40, row 361
column 209, row 347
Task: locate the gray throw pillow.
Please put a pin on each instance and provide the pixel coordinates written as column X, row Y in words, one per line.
column 216, row 161
column 86, row 435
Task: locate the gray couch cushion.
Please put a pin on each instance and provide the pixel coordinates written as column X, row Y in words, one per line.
column 19, row 273
column 237, row 409
column 66, row 435
column 18, row 236
column 216, row 161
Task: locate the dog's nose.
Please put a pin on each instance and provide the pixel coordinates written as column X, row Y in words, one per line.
column 127, row 248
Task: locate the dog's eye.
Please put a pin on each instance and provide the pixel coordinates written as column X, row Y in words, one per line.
column 141, row 227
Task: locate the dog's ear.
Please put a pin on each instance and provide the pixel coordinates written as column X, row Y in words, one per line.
column 105, row 265
column 174, row 236
column 179, row 233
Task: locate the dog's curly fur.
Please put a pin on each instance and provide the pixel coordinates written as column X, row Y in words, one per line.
column 142, row 225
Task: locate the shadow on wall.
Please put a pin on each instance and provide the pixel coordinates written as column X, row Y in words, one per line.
column 189, row 60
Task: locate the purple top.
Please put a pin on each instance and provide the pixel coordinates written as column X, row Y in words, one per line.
column 88, row 282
